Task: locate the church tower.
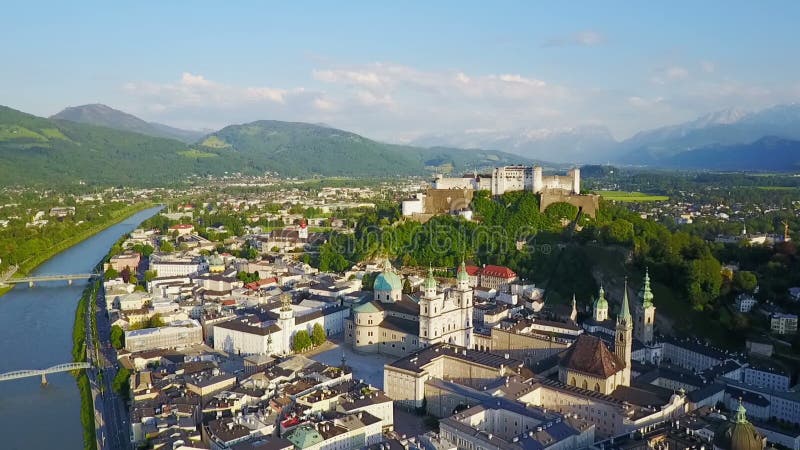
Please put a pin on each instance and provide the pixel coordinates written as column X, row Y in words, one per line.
column 463, row 293
column 623, row 338
column 286, row 322
column 601, row 306
column 429, row 309
column 645, row 312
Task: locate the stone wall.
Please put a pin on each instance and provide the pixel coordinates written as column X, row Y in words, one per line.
column 588, row 203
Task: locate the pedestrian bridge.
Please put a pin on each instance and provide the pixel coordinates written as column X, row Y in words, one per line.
column 42, row 372
column 52, row 277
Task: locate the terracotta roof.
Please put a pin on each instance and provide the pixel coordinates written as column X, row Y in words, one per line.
column 498, row 271
column 492, row 271
column 590, row 355
column 473, row 270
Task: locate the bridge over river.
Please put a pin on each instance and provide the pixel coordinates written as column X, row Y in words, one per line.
column 32, row 280
column 68, row 367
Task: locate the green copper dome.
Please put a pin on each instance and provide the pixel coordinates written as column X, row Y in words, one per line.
column 601, row 302
column 387, row 280
column 430, row 281
column 738, row 434
column 462, row 274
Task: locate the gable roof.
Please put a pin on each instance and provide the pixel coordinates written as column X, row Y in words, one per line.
column 590, row 355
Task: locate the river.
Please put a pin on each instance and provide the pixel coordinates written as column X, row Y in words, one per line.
column 36, row 333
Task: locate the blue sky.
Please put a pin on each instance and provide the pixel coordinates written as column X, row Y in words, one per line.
column 399, row 70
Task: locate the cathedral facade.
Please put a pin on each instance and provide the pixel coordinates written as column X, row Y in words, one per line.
column 398, row 324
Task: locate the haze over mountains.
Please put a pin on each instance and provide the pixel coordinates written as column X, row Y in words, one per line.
column 658, row 147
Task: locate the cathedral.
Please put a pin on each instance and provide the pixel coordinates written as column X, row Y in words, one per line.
column 397, row 324
column 589, row 364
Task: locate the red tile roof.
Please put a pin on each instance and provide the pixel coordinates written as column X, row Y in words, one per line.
column 498, row 271
column 590, row 355
column 473, row 270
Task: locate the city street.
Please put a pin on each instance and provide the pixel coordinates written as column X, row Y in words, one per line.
column 112, row 424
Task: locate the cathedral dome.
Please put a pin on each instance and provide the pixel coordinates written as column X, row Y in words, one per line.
column 462, row 274
column 738, row 434
column 387, row 280
column 601, row 302
column 430, row 281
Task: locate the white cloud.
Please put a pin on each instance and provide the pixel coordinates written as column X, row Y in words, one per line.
column 323, row 104
column 586, row 38
column 708, row 66
column 670, row 74
column 644, row 103
column 396, row 102
column 196, row 90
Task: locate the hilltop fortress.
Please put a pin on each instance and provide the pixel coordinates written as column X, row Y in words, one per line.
column 451, row 195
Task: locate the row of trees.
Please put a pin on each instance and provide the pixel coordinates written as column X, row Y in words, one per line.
column 303, row 341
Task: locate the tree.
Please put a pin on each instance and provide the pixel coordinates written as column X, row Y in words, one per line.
column 318, row 336
column 120, row 382
column 126, row 274
column 110, row 274
column 149, row 275
column 166, row 247
column 117, row 337
column 301, row 341
column 407, row 289
column 745, row 281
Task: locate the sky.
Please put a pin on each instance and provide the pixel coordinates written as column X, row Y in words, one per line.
column 397, row 71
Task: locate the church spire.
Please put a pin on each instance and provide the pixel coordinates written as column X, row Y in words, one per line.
column 573, row 316
column 646, row 294
column 625, row 310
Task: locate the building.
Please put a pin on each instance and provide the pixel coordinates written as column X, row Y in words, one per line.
column 514, row 178
column 511, row 426
column 738, row 434
column 783, row 323
column 745, row 302
column 253, row 335
column 127, row 259
column 404, row 380
column 182, row 229
column 178, row 334
column 169, row 266
column 398, row 324
column 491, row 277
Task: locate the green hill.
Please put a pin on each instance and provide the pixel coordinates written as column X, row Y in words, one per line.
column 295, row 148
column 35, row 150
column 105, row 116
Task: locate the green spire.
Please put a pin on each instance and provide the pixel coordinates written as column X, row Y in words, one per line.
column 646, row 294
column 430, row 281
column 741, row 413
column 625, row 310
column 462, row 274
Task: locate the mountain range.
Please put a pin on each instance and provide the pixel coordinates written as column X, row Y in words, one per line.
column 737, row 129
column 100, row 144
column 55, row 150
column 105, row 116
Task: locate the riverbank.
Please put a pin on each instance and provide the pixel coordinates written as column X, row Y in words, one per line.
column 79, row 346
column 115, row 218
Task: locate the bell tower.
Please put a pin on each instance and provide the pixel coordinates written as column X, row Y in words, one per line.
column 623, row 338
column 645, row 312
